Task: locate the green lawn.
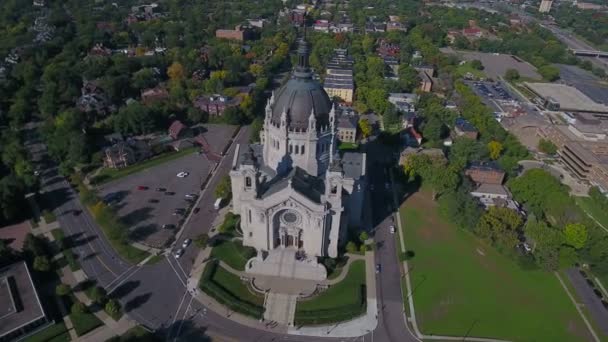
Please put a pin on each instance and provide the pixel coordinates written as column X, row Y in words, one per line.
column 344, row 146
column 340, row 302
column 589, row 206
column 54, row 333
column 107, row 174
column 233, row 284
column 464, row 287
column 229, row 290
column 461, row 70
column 49, row 217
column 233, row 253
column 84, row 322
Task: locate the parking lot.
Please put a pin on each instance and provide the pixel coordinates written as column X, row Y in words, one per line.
column 146, row 201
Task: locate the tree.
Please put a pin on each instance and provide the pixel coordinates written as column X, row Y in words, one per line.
column 434, row 130
column 575, row 235
column 546, row 146
column 351, row 247
column 476, row 64
column 365, row 127
column 112, row 307
column 495, row 148
column 78, row 308
column 549, row 72
column 42, row 264
column 499, row 226
column 98, row 295
column 202, row 240
column 511, row 75
column 62, row 290
column 224, row 188
column 363, row 237
column 176, row 72
column 546, row 245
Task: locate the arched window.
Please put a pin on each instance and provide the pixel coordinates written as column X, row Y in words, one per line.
column 297, row 149
column 302, row 149
column 248, row 182
column 334, row 189
column 290, row 149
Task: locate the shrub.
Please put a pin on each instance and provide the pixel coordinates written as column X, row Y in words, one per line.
column 351, row 247
column 42, row 264
column 112, row 307
column 201, row 240
column 98, row 295
column 363, row 236
column 62, row 290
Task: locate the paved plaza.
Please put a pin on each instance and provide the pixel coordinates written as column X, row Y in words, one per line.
column 284, row 263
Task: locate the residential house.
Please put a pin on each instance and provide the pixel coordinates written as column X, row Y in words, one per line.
column 321, row 25
column 259, row 23
column 385, row 48
column 157, row 94
column 297, row 16
column 485, row 172
column 240, row 33
column 463, row 128
column 426, row 82
column 404, row 102
column 412, row 137
column 93, row 99
column 395, row 26
column 216, row 104
column 98, row 50
column 494, row 195
column 472, row 33
column 347, row 128
column 433, row 153
column 178, row 130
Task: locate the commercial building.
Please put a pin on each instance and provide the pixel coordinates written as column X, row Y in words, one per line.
column 339, row 76
column 240, row 33
column 347, row 128
column 545, row 6
column 561, row 97
column 21, row 311
column 583, row 147
column 494, row 195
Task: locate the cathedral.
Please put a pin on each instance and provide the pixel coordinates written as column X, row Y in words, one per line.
column 295, row 190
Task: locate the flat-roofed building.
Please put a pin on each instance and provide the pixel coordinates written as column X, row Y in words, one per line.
column 21, row 311
column 545, row 6
column 561, row 97
column 582, row 147
column 339, row 76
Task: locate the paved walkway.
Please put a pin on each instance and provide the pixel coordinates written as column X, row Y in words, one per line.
column 280, row 308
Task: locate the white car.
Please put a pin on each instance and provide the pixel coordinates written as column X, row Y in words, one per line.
column 186, row 243
column 392, row 229
column 179, row 253
column 182, row 174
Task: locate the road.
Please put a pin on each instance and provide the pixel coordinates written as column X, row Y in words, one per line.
column 156, row 296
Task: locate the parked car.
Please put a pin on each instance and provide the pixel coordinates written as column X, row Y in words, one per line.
column 179, row 253
column 141, row 187
column 169, row 193
column 77, row 212
column 191, row 196
column 196, row 210
column 161, row 189
column 153, row 200
column 186, row 243
column 168, row 226
column 378, row 268
column 218, row 203
column 183, row 174
column 392, row 229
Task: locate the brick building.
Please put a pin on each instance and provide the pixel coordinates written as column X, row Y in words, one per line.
column 483, row 172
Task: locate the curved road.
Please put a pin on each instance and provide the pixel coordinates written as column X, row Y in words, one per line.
column 156, row 295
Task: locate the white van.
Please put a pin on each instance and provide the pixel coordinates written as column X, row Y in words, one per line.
column 218, row 203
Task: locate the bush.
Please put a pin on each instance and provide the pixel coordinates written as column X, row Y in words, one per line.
column 512, row 75
column 42, row 264
column 201, row 240
column 363, row 237
column 48, row 216
column 230, row 223
column 363, row 248
column 351, row 247
column 62, row 290
column 407, row 255
column 112, row 307
column 98, row 295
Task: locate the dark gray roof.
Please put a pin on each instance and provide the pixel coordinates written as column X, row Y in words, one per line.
column 353, row 164
column 309, row 186
column 253, row 155
column 299, row 96
column 345, row 121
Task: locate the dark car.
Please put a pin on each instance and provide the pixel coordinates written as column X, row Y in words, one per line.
column 169, row 193
column 153, row 200
column 141, row 187
column 77, row 212
column 196, row 210
column 168, row 226
column 161, row 189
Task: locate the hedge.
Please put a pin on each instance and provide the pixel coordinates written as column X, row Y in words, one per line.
column 338, row 314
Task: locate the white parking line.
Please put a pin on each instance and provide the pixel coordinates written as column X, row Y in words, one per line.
column 181, row 324
column 174, row 270
column 177, row 313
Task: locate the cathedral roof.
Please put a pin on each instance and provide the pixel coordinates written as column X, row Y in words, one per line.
column 301, row 96
column 299, row 180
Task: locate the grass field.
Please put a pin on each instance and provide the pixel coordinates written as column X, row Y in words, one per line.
column 233, row 253
column 107, row 174
column 462, row 70
column 84, row 322
column 591, row 208
column 234, row 285
column 464, row 287
column 341, row 302
column 54, row 333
